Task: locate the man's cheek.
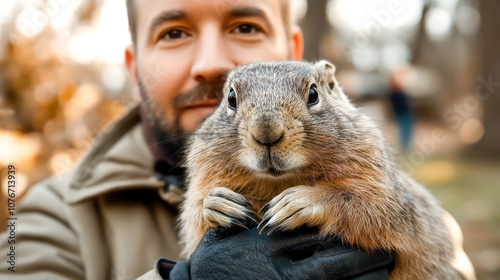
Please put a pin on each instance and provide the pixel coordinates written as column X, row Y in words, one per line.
column 155, row 72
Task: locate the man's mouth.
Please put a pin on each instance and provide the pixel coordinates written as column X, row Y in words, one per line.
column 208, row 103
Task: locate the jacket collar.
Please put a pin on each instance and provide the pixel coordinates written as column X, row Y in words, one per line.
column 119, row 159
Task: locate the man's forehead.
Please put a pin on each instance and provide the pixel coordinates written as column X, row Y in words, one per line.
column 147, row 10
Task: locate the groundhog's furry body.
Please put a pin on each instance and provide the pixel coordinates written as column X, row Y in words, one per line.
column 315, row 161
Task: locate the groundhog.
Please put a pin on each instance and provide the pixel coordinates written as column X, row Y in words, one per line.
column 286, row 140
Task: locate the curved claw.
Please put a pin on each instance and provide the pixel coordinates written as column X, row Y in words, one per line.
column 276, row 225
column 229, row 195
column 224, row 207
column 264, row 223
column 252, row 206
column 252, row 216
column 265, row 208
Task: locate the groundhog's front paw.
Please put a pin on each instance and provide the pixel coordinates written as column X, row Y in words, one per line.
column 223, row 207
column 291, row 209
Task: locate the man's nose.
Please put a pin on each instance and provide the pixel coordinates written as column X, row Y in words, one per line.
column 212, row 58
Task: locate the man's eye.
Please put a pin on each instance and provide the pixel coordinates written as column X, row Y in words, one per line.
column 174, row 34
column 246, row 29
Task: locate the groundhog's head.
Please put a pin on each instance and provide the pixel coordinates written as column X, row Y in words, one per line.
column 278, row 119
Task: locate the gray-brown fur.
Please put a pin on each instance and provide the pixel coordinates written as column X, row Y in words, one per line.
column 338, row 174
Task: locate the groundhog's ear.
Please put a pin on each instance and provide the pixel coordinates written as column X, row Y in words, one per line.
column 327, row 70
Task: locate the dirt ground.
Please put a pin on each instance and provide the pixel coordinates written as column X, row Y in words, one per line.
column 470, row 191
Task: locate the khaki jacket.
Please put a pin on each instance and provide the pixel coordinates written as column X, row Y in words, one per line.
column 104, row 220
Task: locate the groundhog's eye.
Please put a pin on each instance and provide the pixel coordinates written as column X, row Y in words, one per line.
column 231, row 99
column 313, row 96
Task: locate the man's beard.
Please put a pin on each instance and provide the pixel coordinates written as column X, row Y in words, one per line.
column 169, row 132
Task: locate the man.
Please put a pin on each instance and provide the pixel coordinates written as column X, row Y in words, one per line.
column 113, row 216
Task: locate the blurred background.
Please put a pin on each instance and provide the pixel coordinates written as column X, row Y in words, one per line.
column 427, row 71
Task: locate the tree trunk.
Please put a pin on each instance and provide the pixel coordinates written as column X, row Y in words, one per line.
column 315, row 27
column 488, row 83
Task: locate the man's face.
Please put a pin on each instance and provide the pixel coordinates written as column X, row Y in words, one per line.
column 184, row 48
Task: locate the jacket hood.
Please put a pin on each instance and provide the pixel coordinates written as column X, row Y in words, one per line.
column 117, row 160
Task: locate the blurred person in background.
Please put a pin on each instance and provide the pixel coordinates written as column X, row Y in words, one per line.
column 403, row 111
column 113, row 215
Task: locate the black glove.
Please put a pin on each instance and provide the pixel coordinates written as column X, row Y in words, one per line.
column 236, row 253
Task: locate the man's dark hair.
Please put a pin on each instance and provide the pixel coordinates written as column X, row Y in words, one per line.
column 285, row 6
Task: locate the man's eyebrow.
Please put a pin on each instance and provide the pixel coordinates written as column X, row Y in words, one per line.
column 166, row 16
column 246, row 11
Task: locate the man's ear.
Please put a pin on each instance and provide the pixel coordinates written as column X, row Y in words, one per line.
column 296, row 44
column 131, row 63
column 327, row 71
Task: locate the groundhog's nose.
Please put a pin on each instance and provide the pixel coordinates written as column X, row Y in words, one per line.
column 267, row 129
column 268, row 141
